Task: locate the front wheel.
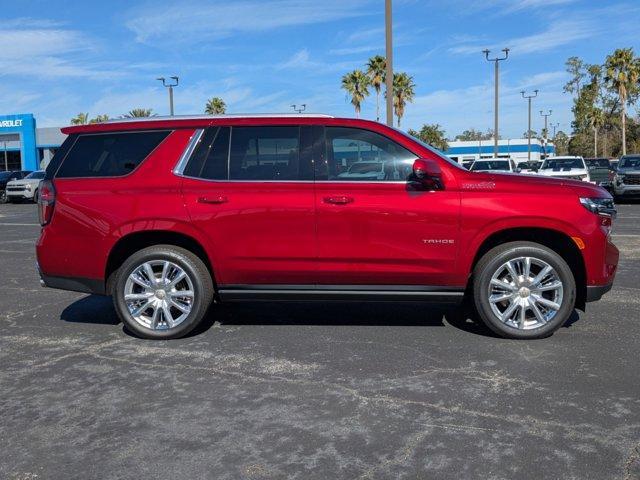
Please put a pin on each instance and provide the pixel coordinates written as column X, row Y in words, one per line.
column 523, row 290
column 36, row 196
column 162, row 292
column 3, row 196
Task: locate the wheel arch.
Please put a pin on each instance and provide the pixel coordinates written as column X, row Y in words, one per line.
column 557, row 241
column 135, row 241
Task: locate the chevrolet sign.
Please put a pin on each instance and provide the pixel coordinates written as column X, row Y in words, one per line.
column 11, row 123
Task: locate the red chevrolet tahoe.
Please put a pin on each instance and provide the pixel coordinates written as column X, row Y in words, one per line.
column 170, row 215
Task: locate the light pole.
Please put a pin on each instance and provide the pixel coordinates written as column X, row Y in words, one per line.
column 389, row 62
column 496, row 61
column 529, row 97
column 554, row 126
column 170, row 86
column 546, row 132
column 6, row 160
column 300, row 109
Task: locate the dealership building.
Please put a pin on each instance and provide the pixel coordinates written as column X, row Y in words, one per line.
column 24, row 146
column 514, row 148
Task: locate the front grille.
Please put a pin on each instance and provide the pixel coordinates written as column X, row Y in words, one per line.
column 631, row 180
column 16, row 189
column 567, row 177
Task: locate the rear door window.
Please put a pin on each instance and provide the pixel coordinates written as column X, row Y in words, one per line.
column 109, row 154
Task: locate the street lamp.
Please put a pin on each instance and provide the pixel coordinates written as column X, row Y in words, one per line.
column 299, row 109
column 546, row 133
column 529, row 97
column 496, row 61
column 389, row 61
column 170, row 86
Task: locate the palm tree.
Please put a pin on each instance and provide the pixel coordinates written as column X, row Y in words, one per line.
column 139, row 113
column 403, row 92
column 99, row 119
column 596, row 120
column 356, row 84
column 215, row 106
column 376, row 69
column 80, row 119
column 622, row 72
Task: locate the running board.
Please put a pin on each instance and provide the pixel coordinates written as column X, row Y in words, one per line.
column 379, row 293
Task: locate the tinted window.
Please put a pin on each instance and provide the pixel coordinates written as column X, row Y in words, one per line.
column 361, row 155
column 629, row 162
column 265, row 153
column 210, row 157
column 597, row 162
column 502, row 165
column 5, row 175
column 110, row 154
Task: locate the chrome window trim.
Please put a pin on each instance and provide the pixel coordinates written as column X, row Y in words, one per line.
column 186, row 154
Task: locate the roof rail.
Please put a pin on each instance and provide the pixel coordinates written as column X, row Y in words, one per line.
column 213, row 117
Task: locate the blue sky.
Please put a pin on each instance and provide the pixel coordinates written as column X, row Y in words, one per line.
column 61, row 58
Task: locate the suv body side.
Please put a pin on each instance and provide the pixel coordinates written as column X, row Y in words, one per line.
column 312, row 233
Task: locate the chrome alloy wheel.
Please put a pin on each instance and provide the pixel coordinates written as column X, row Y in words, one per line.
column 525, row 293
column 159, row 294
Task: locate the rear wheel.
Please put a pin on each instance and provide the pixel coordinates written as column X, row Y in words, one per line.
column 523, row 290
column 162, row 292
column 3, row 196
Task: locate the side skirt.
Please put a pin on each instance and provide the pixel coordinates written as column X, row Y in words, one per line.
column 379, row 293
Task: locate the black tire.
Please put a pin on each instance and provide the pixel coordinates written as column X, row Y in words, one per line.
column 35, row 196
column 195, row 269
column 492, row 261
column 3, row 196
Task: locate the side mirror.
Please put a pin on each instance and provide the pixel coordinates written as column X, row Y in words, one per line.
column 518, row 170
column 427, row 174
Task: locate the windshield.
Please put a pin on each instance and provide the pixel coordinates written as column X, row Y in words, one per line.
column 629, row 162
column 532, row 165
column 562, row 163
column 365, row 167
column 35, row 176
column 430, row 148
column 597, row 162
column 490, row 165
column 5, row 175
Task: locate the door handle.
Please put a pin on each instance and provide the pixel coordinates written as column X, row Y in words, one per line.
column 213, row 200
column 338, row 200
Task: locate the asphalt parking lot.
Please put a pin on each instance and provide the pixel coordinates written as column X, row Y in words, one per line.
column 305, row 391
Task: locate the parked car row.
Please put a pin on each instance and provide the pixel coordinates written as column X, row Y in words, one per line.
column 20, row 185
column 621, row 177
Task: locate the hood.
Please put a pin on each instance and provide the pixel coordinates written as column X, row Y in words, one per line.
column 629, row 171
column 533, row 184
column 24, row 181
column 561, row 172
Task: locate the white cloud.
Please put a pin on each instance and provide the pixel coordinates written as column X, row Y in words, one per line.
column 558, row 34
column 219, row 19
column 301, row 60
column 29, row 43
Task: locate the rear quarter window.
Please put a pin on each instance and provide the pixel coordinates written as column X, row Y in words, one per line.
column 109, row 154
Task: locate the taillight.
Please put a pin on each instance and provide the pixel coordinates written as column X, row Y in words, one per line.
column 46, row 201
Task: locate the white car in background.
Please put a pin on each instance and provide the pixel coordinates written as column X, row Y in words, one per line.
column 572, row 168
column 25, row 189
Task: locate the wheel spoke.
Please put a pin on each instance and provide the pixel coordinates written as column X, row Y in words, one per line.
column 136, row 278
column 181, row 274
column 522, row 317
column 527, row 267
column 165, row 270
column 166, row 314
column 512, row 270
column 500, row 298
column 543, row 273
column 538, row 313
column 179, row 306
column 155, row 317
column 149, row 271
column 181, row 294
column 138, row 296
column 501, row 284
column 550, row 286
column 547, row 303
column 506, row 315
column 141, row 308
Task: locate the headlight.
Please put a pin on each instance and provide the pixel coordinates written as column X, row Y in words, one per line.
column 27, row 187
column 583, row 177
column 619, row 177
column 599, row 206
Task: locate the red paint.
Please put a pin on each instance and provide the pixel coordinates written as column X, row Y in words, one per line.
column 314, row 233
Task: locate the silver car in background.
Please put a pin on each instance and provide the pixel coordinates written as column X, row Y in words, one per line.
column 25, row 189
column 626, row 182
